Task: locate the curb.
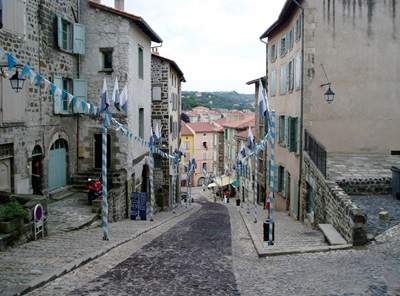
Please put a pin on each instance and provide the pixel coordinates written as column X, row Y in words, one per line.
column 262, row 252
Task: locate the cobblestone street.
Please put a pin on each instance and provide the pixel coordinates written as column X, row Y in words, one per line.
column 211, row 252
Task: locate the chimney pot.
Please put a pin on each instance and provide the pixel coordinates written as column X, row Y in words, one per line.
column 119, row 4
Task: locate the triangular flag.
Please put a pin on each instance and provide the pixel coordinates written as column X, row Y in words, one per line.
column 105, row 102
column 124, row 100
column 11, row 61
column 115, row 95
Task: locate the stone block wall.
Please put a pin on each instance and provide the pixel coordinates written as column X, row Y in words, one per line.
column 332, row 205
column 374, row 186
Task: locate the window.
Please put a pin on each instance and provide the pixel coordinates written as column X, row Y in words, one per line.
column 298, row 29
column 141, row 123
column 186, row 145
column 157, row 161
column 205, row 166
column 205, row 155
column 13, row 14
column 284, row 48
column 204, row 145
column 293, row 134
column 272, row 52
column 107, row 59
column 273, row 82
column 291, row 75
column 70, row 37
column 140, row 62
column 60, row 99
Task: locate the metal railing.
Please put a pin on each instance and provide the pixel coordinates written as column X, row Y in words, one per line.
column 316, row 152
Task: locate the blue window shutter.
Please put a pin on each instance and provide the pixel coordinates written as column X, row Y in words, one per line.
column 287, row 42
column 286, row 136
column 276, row 178
column 79, row 38
column 59, row 31
column 80, row 89
column 57, row 106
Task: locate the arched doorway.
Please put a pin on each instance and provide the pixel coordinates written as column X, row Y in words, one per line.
column 58, row 164
column 37, row 172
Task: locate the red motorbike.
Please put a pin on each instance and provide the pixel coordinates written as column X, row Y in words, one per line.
column 95, row 189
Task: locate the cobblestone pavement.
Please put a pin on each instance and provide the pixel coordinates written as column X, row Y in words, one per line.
column 176, row 264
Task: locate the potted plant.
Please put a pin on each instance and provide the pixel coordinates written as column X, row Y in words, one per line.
column 12, row 216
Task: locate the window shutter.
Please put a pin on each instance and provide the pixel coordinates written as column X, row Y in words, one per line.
column 57, row 106
column 298, row 135
column 277, row 140
column 287, row 42
column 286, row 128
column 283, row 79
column 156, row 93
column 80, row 89
column 79, row 38
column 284, row 183
column 292, row 134
column 59, row 31
column 276, row 178
column 273, row 82
column 298, row 70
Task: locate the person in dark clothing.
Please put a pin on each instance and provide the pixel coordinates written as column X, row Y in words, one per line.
column 36, row 178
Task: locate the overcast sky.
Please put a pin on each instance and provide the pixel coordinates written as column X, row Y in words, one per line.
column 214, row 42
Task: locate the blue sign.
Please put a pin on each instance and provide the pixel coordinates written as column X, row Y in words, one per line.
column 134, row 205
column 142, row 205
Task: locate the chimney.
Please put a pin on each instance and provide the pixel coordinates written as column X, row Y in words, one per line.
column 154, row 50
column 119, row 4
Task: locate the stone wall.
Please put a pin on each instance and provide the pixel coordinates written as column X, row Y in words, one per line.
column 331, row 205
column 369, row 186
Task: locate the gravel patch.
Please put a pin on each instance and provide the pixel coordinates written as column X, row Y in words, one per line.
column 373, row 205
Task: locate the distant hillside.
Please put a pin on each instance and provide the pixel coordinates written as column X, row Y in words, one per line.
column 214, row 100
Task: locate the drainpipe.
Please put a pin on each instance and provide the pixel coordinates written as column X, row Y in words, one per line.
column 265, row 150
column 78, row 134
column 301, row 108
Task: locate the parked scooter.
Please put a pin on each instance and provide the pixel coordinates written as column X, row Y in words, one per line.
column 94, row 188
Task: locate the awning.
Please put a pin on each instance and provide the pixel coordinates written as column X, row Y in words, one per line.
column 226, row 180
column 236, row 183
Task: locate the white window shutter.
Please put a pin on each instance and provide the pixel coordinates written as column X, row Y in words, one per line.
column 57, row 106
column 156, row 93
column 298, row 70
column 79, row 38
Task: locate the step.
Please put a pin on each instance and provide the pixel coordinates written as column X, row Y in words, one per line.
column 332, row 235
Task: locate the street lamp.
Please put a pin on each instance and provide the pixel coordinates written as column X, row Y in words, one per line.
column 17, row 82
column 329, row 95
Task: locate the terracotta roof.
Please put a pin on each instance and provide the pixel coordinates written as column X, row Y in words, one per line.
column 199, row 127
column 139, row 21
column 244, row 134
column 185, row 131
column 248, row 121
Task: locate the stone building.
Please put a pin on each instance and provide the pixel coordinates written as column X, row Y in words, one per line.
column 320, row 47
column 118, row 47
column 36, row 124
column 166, row 80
